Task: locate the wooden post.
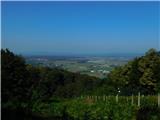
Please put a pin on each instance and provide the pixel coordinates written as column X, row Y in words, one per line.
column 158, row 99
column 96, row 98
column 139, row 100
column 117, row 98
column 132, row 100
column 106, row 98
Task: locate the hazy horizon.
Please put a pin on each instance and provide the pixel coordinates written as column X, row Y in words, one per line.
column 42, row 54
column 80, row 28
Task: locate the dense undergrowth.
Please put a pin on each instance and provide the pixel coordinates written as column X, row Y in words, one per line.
column 88, row 109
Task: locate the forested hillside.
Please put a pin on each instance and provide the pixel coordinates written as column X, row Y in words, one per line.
column 25, row 86
column 141, row 74
column 21, row 81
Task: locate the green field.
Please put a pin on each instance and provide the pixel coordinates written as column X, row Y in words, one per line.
column 93, row 66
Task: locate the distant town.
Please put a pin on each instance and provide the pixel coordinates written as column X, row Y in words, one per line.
column 93, row 66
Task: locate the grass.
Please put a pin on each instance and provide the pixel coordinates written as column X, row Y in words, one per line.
column 101, row 109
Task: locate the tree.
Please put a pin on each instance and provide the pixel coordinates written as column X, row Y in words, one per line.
column 14, row 77
column 141, row 74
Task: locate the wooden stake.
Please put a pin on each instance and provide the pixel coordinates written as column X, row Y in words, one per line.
column 158, row 99
column 139, row 100
column 132, row 100
column 117, row 98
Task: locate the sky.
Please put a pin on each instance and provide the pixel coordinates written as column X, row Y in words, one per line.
column 66, row 28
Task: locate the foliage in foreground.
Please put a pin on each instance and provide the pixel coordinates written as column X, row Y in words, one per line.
column 88, row 109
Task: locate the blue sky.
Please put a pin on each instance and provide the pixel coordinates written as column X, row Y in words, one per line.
column 80, row 27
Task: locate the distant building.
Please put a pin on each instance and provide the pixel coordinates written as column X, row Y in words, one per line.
column 106, row 71
column 92, row 71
